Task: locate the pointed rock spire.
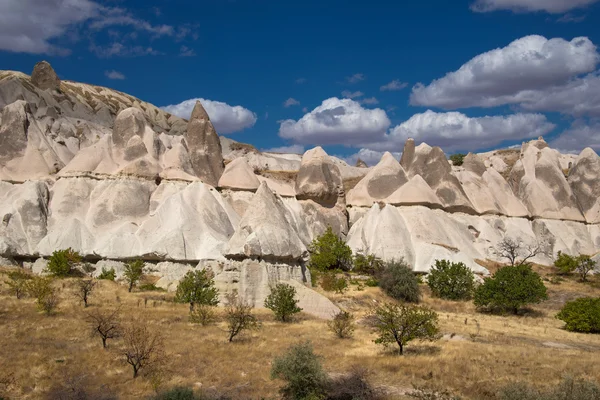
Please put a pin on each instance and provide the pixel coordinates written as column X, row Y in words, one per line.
column 319, row 179
column 44, row 76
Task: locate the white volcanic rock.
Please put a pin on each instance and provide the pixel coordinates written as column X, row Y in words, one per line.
column 416, row 192
column 538, row 181
column 239, row 175
column 265, row 231
column 318, row 179
column 379, row 183
column 204, row 147
column 584, row 179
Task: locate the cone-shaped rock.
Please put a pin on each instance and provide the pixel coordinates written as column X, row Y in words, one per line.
column 474, row 163
column 381, row 181
column 239, row 175
column 319, row 179
column 129, row 123
column 44, row 77
column 361, row 164
column 204, row 147
column 583, row 178
column 265, row 231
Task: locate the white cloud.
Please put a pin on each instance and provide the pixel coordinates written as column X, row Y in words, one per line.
column 185, row 51
column 524, row 72
column 549, row 6
column 370, row 157
column 369, row 100
column 292, row 149
column 121, row 50
column 337, row 121
column 291, row 102
column 355, row 78
column 393, row 86
column 225, row 118
column 580, row 135
column 114, row 75
column 351, row 95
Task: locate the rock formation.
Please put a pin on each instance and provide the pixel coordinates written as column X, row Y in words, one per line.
column 584, row 178
column 319, row 179
column 44, row 76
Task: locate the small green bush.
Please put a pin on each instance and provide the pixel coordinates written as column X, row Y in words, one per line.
column 197, row 287
column 45, row 295
column 372, row 282
column 582, row 264
column 332, row 283
column 329, row 252
column 452, row 281
column 342, row 324
column 282, row 301
column 203, row 314
column 568, row 389
column 510, row 289
column 457, row 159
column 133, row 272
column 17, row 282
column 151, row 287
column 302, row 372
column 61, row 262
column 109, row 274
column 367, row 264
column 581, row 315
column 399, row 282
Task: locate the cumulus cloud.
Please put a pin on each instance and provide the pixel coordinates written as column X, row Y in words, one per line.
column 291, row 102
column 370, row 157
column 351, row 95
column 355, row 78
column 114, row 75
column 525, row 72
column 580, row 135
column 292, row 149
column 337, row 121
column 549, row 6
column 225, row 118
column 393, row 86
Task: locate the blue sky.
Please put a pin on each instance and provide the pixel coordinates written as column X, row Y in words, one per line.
column 307, row 73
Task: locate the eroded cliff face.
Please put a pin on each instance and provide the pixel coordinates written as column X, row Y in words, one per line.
column 112, row 177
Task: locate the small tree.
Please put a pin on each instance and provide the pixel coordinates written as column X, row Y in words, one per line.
column 329, row 252
column 342, row 324
column 367, row 264
column 302, row 371
column 197, row 287
column 401, row 324
column 85, row 287
column 45, row 295
column 282, row 301
column 203, row 314
column 457, row 159
column 449, row 280
column 511, row 288
column 516, row 252
column 332, row 283
column 143, row 348
column 239, row 316
column 585, row 265
column 133, row 272
column 581, row 315
column 61, row 262
column 107, row 274
column 17, row 282
column 399, row 282
column 104, row 323
column 48, row 302
column 565, row 263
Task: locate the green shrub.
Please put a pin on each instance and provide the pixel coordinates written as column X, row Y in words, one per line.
column 282, row 301
column 452, row 281
column 239, row 317
column 567, row 389
column 178, row 393
column 399, row 282
column 109, row 274
column 332, row 283
column 17, row 282
column 197, row 287
column 302, row 372
column 581, row 315
column 510, row 288
column 457, row 159
column 151, row 287
column 133, row 272
column 372, row 282
column 45, row 295
column 367, row 264
column 61, row 262
column 203, row 314
column 329, row 252
column 582, row 264
column 342, row 324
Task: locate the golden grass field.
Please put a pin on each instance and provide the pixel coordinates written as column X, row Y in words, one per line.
column 485, row 352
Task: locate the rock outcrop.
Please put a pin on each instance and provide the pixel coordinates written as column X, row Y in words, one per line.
column 44, row 76
column 381, row 181
column 239, row 176
column 319, row 179
column 584, row 179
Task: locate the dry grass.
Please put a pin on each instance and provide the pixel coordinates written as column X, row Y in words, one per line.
column 485, row 351
column 285, row 176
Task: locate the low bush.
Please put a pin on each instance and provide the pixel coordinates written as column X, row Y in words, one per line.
column 352, row 386
column 329, row 252
column 567, row 389
column 282, row 301
column 301, row 370
column 452, row 281
column 150, row 287
column 108, row 274
column 457, row 159
column 203, row 314
column 398, row 281
column 333, row 283
column 581, row 315
column 17, row 282
column 582, row 265
column 367, row 264
column 342, row 324
column 61, row 262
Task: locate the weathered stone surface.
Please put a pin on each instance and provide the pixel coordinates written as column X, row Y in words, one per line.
column 361, row 164
column 13, row 131
column 584, row 179
column 319, row 179
column 416, row 192
column 204, row 147
column 129, row 123
column 239, row 175
column 44, row 76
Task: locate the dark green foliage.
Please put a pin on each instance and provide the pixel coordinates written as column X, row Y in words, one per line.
column 372, row 282
column 568, row 389
column 581, row 315
column 282, row 301
column 197, row 287
column 329, row 252
column 582, row 264
column 150, row 287
column 133, row 272
column 108, row 274
column 367, row 264
column 342, row 324
column 452, row 281
column 401, row 324
column 399, row 282
column 457, row 159
column 17, row 282
column 333, row 283
column 61, row 262
column 585, row 265
column 510, row 289
column 302, row 372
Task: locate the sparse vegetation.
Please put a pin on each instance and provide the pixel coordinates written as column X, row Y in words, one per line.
column 330, row 252
column 85, row 287
column 105, row 323
column 17, row 283
column 582, row 265
column 568, row 389
column 197, row 287
column 342, row 324
column 41, row 289
column 203, row 314
column 301, row 370
column 133, row 272
column 518, row 253
column 62, row 262
column 107, row 274
column 457, row 159
column 282, row 301
column 399, row 282
column 144, row 348
column 331, row 282
column 239, row 316
column 581, row 315
column 367, row 264
column 450, row 280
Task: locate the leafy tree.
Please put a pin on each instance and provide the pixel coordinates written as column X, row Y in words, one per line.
column 342, row 324
column 144, row 349
column 45, row 295
column 329, row 252
column 85, row 287
column 449, row 280
column 565, row 263
column 511, row 288
column 399, row 282
column 17, row 282
column 108, row 274
column 61, row 262
column 401, row 324
column 581, row 315
column 518, row 253
column 332, row 283
column 585, row 265
column 239, row 316
column 582, row 264
column 457, row 159
column 367, row 264
column 302, row 371
column 105, row 323
column 282, row 301
column 197, row 287
column 133, row 272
